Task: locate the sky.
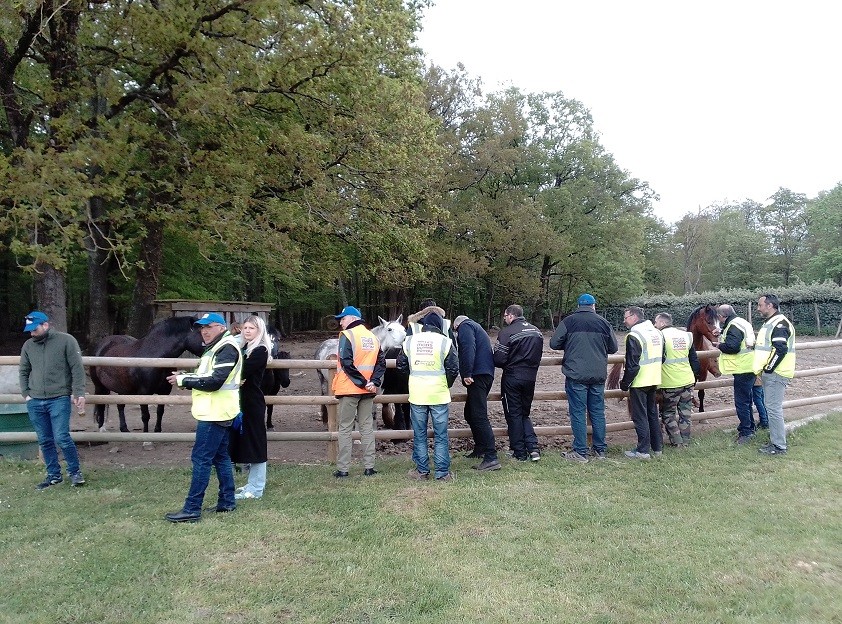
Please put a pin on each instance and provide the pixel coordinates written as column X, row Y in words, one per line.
column 709, row 102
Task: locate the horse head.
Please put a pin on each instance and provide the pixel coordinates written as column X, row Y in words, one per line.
column 390, row 333
column 704, row 322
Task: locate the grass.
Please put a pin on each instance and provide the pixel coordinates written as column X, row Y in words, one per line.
column 716, row 533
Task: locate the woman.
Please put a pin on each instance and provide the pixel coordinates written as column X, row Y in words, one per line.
column 248, row 444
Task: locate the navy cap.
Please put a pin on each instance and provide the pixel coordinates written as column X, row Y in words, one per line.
column 211, row 317
column 349, row 311
column 586, row 299
column 33, row 320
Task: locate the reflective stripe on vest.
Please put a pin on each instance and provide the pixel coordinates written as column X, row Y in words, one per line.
column 763, row 349
column 365, row 348
column 426, row 352
column 651, row 356
column 417, row 328
column 742, row 362
column 676, row 371
column 222, row 404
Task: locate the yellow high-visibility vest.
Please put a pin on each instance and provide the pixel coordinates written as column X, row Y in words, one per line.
column 742, row 362
column 676, row 371
column 763, row 349
column 651, row 356
column 426, row 352
column 222, row 404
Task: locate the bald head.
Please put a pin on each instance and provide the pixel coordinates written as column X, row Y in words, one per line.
column 725, row 310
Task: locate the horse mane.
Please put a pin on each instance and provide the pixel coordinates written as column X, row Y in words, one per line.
column 174, row 325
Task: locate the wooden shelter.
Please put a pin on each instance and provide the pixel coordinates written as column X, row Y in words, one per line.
column 232, row 311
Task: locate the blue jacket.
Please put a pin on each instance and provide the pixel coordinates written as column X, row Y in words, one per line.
column 475, row 354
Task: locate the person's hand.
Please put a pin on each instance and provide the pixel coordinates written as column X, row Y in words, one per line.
column 371, row 387
column 467, row 381
column 80, row 405
column 173, row 379
column 625, row 387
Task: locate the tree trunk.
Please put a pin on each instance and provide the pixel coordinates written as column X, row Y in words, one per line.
column 99, row 319
column 51, row 295
column 147, row 280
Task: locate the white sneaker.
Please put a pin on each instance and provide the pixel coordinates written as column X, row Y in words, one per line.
column 244, row 495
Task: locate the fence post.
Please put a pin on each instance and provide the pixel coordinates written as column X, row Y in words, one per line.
column 332, row 421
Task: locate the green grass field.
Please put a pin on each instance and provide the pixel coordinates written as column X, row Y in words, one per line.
column 716, row 533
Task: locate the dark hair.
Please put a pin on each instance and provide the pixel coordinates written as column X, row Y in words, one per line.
column 773, row 300
column 638, row 312
column 426, row 303
column 664, row 315
column 515, row 310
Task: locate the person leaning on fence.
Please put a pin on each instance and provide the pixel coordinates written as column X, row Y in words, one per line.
column 51, row 374
column 586, row 339
column 359, row 373
column 215, row 387
column 415, row 321
column 678, row 376
column 736, row 344
column 641, row 377
column 430, row 360
column 774, row 361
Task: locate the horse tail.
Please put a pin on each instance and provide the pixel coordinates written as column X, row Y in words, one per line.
column 613, row 381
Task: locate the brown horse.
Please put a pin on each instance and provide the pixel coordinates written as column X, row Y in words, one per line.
column 704, row 325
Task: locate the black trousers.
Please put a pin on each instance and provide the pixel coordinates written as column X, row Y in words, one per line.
column 517, row 403
column 644, row 414
column 476, row 415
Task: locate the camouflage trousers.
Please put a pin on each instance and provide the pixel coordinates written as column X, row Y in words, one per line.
column 675, row 405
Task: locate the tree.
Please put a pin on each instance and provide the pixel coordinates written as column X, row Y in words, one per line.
column 786, row 222
column 824, row 216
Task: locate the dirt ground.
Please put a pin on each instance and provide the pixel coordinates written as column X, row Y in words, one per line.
column 307, row 418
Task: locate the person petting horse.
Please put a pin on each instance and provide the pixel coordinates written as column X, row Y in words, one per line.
column 736, row 344
column 678, row 376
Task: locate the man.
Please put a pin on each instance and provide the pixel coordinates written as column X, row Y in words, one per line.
column 360, row 369
column 774, row 361
column 518, row 352
column 430, row 360
column 678, row 376
column 414, row 322
column 642, row 375
column 216, row 402
column 586, row 339
column 51, row 375
column 476, row 366
column 736, row 344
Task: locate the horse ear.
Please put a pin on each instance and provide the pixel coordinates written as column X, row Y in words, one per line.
column 383, row 322
column 399, row 320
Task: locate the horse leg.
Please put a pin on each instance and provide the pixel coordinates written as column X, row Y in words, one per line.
column 702, row 400
column 160, row 415
column 121, row 410
column 269, row 410
column 402, row 420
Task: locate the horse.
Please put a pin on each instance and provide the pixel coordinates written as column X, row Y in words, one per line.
column 704, row 325
column 391, row 335
column 274, row 378
column 167, row 339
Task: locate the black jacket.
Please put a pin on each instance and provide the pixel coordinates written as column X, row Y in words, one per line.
column 586, row 339
column 518, row 350
column 475, row 354
column 730, row 342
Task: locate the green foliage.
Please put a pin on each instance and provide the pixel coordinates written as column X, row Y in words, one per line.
column 824, row 215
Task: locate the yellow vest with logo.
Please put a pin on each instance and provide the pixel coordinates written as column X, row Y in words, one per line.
column 366, row 348
column 426, row 352
column 763, row 349
column 676, row 371
column 222, row 404
column 742, row 362
column 651, row 356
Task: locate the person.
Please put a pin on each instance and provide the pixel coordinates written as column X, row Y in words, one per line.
column 758, row 397
column 586, row 339
column 359, row 373
column 247, row 444
column 736, row 343
column 430, row 361
column 518, row 352
column 774, row 361
column 641, row 377
column 215, row 386
column 679, row 372
column 51, row 378
column 428, row 306
column 476, row 366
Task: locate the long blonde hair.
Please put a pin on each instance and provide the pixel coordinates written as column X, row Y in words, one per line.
column 262, row 338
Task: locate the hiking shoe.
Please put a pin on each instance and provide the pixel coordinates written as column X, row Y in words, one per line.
column 76, row 479
column 771, row 449
column 48, row 482
column 745, row 439
column 534, row 456
column 450, row 476
column 341, row 474
column 575, row 457
column 637, row 455
column 369, row 472
column 473, row 455
column 487, row 465
column 418, row 476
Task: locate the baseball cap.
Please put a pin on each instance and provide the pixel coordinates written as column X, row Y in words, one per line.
column 349, row 311
column 586, row 299
column 33, row 320
column 211, row 317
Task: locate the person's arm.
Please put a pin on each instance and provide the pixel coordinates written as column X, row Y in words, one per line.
column 501, row 349
column 559, row 339
column 24, row 370
column 733, row 340
column 77, row 370
column 379, row 370
column 255, row 364
column 611, row 345
column 632, row 365
column 223, row 362
column 451, row 366
column 780, row 347
column 694, row 362
column 402, row 361
column 467, row 349
column 346, row 358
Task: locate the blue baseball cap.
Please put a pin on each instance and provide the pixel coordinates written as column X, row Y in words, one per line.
column 349, row 311
column 211, row 317
column 33, row 320
column 586, row 299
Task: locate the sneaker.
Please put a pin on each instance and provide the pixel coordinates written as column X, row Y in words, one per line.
column 341, row 474
column 48, row 482
column 597, row 454
column 369, row 472
column 76, row 479
column 450, row 476
column 771, row 449
column 637, row 455
column 473, row 455
column 488, row 465
column 657, row 453
column 418, row 476
column 575, row 457
column 745, row 439
column 534, row 456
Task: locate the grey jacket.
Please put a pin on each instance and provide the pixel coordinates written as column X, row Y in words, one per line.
column 51, row 366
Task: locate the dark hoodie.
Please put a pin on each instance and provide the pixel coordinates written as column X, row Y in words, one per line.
column 433, row 323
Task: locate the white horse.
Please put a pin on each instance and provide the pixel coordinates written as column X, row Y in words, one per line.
column 390, row 334
column 9, row 380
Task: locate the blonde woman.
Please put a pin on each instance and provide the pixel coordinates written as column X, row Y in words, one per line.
column 248, row 445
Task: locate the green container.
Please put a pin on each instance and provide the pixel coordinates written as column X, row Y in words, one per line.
column 14, row 417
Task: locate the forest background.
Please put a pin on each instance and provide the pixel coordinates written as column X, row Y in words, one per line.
column 305, row 154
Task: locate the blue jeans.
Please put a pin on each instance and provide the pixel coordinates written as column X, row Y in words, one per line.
column 51, row 420
column 579, row 398
column 419, row 415
column 759, row 400
column 743, row 384
column 210, row 449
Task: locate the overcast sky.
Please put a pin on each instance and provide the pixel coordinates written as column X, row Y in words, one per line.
column 707, row 101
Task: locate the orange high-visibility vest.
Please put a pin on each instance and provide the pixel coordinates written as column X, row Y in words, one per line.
column 366, row 347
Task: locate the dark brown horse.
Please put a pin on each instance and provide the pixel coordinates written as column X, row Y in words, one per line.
column 704, row 325
column 274, row 378
column 167, row 339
